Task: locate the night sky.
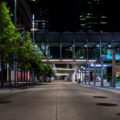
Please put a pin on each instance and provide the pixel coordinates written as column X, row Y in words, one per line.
column 114, row 16
column 62, row 18
column 62, row 15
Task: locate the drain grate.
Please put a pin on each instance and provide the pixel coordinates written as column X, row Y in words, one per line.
column 5, row 102
column 107, row 104
column 100, row 97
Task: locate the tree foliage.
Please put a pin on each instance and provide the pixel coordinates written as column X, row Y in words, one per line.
column 10, row 40
column 9, row 37
column 48, row 70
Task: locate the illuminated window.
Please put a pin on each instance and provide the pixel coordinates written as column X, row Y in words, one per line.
column 88, row 17
column 103, row 22
column 82, row 19
column 89, row 3
column 82, row 25
column 103, row 16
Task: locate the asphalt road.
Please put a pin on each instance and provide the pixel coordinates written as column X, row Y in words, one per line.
column 59, row 101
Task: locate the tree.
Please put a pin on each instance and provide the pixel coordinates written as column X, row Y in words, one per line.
column 9, row 38
column 24, row 53
column 28, row 59
column 48, row 70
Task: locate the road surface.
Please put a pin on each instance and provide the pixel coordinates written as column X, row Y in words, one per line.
column 59, row 101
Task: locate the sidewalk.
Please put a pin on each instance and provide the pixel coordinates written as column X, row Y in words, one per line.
column 105, row 87
column 21, row 85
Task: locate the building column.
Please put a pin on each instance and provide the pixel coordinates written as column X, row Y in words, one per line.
column 85, row 72
column 113, row 68
column 73, row 52
column 89, row 77
column 82, row 76
column 47, row 51
column 79, row 77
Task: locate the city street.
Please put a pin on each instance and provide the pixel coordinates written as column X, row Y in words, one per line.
column 59, row 101
column 59, row 60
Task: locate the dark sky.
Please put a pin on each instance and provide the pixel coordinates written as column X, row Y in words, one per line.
column 114, row 16
column 62, row 15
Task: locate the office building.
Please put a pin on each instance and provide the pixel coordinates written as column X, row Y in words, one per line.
column 91, row 15
column 41, row 13
column 23, row 12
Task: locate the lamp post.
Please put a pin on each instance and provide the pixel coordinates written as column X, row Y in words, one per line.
column 15, row 23
column 33, row 27
column 15, row 12
column 33, row 36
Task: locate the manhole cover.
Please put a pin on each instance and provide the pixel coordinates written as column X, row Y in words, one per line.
column 5, row 102
column 100, row 97
column 107, row 104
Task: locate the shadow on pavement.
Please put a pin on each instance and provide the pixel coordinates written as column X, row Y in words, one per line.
column 5, row 102
column 26, row 86
column 101, row 97
column 107, row 104
column 118, row 114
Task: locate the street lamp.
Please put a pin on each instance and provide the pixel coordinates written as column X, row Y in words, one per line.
column 15, row 12
column 15, row 23
column 33, row 27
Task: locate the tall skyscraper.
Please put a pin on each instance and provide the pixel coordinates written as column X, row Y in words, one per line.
column 41, row 12
column 24, row 15
column 91, row 15
column 41, row 19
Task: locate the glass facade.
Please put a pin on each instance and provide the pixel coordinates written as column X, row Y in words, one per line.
column 54, row 52
column 41, row 22
column 77, row 52
column 80, row 52
column 80, row 46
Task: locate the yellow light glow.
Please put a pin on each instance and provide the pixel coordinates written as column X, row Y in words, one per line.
column 61, row 74
column 66, row 69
